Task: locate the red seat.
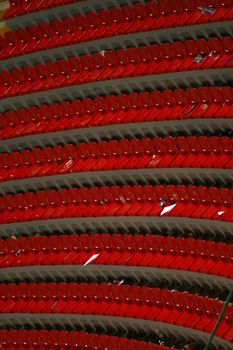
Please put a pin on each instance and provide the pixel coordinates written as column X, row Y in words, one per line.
column 227, row 196
column 71, row 156
column 157, row 63
column 205, row 54
column 88, row 72
column 113, row 114
column 89, row 108
column 150, row 107
column 13, row 46
column 226, row 109
column 39, row 160
column 31, row 200
column 8, row 208
column 86, row 202
column 226, row 59
column 83, row 30
column 53, row 78
column 227, row 149
column 26, row 40
column 122, row 108
column 129, row 154
column 75, row 70
column 112, row 197
column 168, row 54
column 134, row 66
column 212, row 101
column 7, row 164
column 82, row 156
column 36, row 34
column 70, row 201
column 59, row 157
column 99, row 27
column 107, row 200
column 5, row 83
column 70, row 29
column 105, row 162
column 48, row 35
column 58, row 35
column 27, row 162
column 162, row 102
column 119, row 22
column 192, row 58
column 19, row 85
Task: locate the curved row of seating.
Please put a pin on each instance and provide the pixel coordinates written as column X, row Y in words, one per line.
column 200, row 11
column 120, row 249
column 53, row 339
column 131, row 62
column 109, row 22
column 201, row 152
column 178, row 201
column 203, row 102
column 179, row 308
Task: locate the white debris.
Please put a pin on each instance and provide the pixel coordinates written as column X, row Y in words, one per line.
column 198, row 58
column 68, row 164
column 121, row 282
column 93, row 257
column 208, row 10
column 122, row 199
column 167, row 209
column 18, row 252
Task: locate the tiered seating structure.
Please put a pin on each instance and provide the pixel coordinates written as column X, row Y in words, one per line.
column 116, row 157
